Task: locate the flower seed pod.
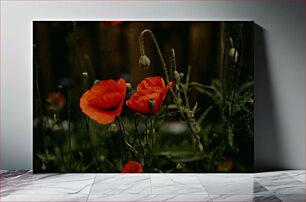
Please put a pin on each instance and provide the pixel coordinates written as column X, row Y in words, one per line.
column 200, row 147
column 176, row 76
column 96, row 81
column 180, row 166
column 128, row 86
column 181, row 75
column 144, row 61
column 190, row 114
column 233, row 52
column 85, row 74
column 113, row 128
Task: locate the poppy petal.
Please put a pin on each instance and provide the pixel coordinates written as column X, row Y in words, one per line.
column 132, row 167
column 107, row 101
column 104, row 101
column 149, row 82
column 99, row 115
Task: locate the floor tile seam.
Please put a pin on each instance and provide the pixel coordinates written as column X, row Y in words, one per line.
column 208, row 194
column 91, row 188
column 274, row 194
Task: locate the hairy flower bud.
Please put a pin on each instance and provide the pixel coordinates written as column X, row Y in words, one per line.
column 113, row 128
column 96, row 81
column 144, row 61
column 128, row 86
column 181, row 75
column 180, row 166
column 233, row 52
column 176, row 76
column 85, row 74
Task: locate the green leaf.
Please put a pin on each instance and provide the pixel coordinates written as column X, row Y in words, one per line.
column 204, row 115
column 246, row 86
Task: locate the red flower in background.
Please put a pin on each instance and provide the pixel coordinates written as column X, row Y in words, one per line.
column 226, row 166
column 132, row 167
column 55, row 101
column 151, row 89
column 103, row 102
column 114, row 22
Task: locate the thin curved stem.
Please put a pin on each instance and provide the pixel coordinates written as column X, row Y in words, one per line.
column 173, row 60
column 90, row 143
column 142, row 50
column 139, row 140
column 122, row 131
column 152, row 131
column 69, row 126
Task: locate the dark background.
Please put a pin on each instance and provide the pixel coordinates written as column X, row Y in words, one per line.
column 110, row 49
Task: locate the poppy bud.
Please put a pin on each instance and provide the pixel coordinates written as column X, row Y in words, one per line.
column 96, row 81
column 113, row 128
column 181, row 75
column 176, row 76
column 151, row 103
column 85, row 74
column 190, row 114
column 233, row 52
column 251, row 101
column 200, row 146
column 180, row 166
column 144, row 61
column 128, row 86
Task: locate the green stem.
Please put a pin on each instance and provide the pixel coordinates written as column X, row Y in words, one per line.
column 173, row 60
column 37, row 86
column 142, row 50
column 152, row 133
column 122, row 131
column 186, row 87
column 91, row 144
column 139, row 140
column 146, row 134
column 69, row 126
column 147, row 141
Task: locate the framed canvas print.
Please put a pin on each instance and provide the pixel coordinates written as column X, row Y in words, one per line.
column 143, row 96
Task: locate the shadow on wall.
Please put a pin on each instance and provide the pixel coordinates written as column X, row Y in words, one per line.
column 267, row 154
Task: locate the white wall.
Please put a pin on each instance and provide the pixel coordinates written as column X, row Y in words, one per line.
column 279, row 67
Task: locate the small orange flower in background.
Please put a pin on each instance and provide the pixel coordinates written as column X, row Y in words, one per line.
column 149, row 89
column 132, row 167
column 114, row 22
column 103, row 102
column 55, row 101
column 226, row 166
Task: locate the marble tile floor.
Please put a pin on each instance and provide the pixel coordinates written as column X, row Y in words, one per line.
column 24, row 186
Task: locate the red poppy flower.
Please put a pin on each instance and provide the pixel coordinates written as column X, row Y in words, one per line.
column 150, row 89
column 103, row 102
column 115, row 22
column 55, row 101
column 132, row 167
column 226, row 166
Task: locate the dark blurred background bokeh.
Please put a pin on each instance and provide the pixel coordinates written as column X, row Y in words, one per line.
column 110, row 49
